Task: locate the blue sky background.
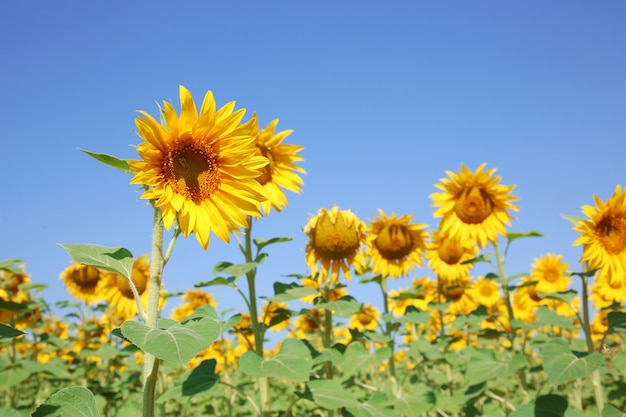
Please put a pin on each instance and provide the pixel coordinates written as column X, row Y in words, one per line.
column 384, row 97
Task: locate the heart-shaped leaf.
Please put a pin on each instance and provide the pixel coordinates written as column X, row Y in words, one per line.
column 292, row 362
column 69, row 402
column 563, row 365
column 174, row 342
column 117, row 260
column 331, row 395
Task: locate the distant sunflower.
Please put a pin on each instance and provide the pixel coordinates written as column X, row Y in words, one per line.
column 193, row 300
column 276, row 316
column 281, row 171
column 473, row 206
column 84, row 282
column 486, row 292
column 394, row 245
column 119, row 294
column 603, row 235
column 335, row 238
column 604, row 292
column 446, row 256
column 201, row 169
column 461, row 296
column 336, row 292
column 550, row 273
column 366, row 319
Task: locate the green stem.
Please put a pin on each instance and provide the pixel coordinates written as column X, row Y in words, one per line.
column 505, row 287
column 388, row 327
column 151, row 364
column 257, row 329
column 327, row 336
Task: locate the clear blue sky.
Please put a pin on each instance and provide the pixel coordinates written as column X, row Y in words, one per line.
column 384, row 97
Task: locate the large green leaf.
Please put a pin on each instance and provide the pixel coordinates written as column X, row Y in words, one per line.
column 563, row 365
column 176, row 343
column 355, row 359
column 111, row 161
column 261, row 243
column 549, row 405
column 287, row 292
column 293, row 362
column 238, row 270
column 419, row 400
column 331, row 395
column 117, row 260
column 9, row 412
column 200, row 379
column 8, row 331
column 511, row 236
column 10, row 265
column 610, row 411
column 483, row 366
column 69, row 402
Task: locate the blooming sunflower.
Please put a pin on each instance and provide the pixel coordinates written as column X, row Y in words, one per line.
column 276, row 316
column 193, row 299
column 84, row 282
column 486, row 292
column 335, row 293
column 119, row 294
column 446, row 256
column 473, row 206
column 281, row 171
column 201, row 169
column 461, row 296
column 603, row 235
column 365, row 319
column 335, row 239
column 550, row 273
column 394, row 245
column 604, row 292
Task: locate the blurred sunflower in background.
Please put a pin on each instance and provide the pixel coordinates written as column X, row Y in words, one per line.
column 606, row 292
column 281, row 172
column 419, row 295
column 394, row 245
column 550, row 273
column 201, row 168
column 603, row 235
column 473, row 206
column 446, row 256
column 486, row 292
column 84, row 282
column 118, row 293
column 336, row 292
column 193, row 299
column 366, row 319
column 335, row 239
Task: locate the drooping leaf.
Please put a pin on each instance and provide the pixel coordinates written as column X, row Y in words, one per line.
column 343, row 307
column 7, row 332
column 10, row 265
column 69, row 402
column 562, row 365
column 202, row 378
column 574, row 220
column 237, row 270
column 331, row 395
column 610, row 411
column 176, row 343
column 549, row 317
column 111, row 161
column 261, row 243
column 116, row 259
column 485, row 257
column 230, row 282
column 288, row 292
column 565, row 296
column 292, row 362
column 9, row 412
column 616, row 319
column 511, row 236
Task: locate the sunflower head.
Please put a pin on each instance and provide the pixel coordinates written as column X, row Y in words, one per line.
column 550, row 273
column 486, row 292
column 394, row 244
column 603, row 235
column 446, row 256
column 119, row 294
column 201, row 168
column 84, row 282
column 473, row 205
column 193, row 299
column 335, row 238
column 282, row 171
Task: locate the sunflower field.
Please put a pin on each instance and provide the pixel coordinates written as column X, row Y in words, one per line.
column 549, row 342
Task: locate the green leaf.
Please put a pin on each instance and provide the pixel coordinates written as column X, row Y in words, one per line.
column 288, row 292
column 547, row 316
column 176, row 343
column 117, row 260
column 230, row 282
column 562, row 365
column 69, row 402
column 355, row 358
column 13, row 375
column 565, row 296
column 331, row 395
column 292, row 362
column 343, row 307
column 8, row 331
column 111, row 161
column 237, row 270
column 511, row 236
column 486, row 257
column 610, row 411
column 549, row 405
column 261, row 243
column 416, row 401
column 574, row 220
column 483, row 366
column 202, row 378
column 9, row 412
column 616, row 319
column 9, row 265
column 12, row 306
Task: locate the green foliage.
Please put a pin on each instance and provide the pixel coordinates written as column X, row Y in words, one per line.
column 562, row 364
column 111, row 161
column 117, row 260
column 293, row 362
column 69, row 402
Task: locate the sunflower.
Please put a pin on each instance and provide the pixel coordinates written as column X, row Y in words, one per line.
column 84, row 282
column 276, row 316
column 281, row 171
column 550, row 273
column 603, row 235
column 461, row 296
column 526, row 300
column 486, row 292
column 394, row 245
column 446, row 256
column 193, row 299
column 201, row 169
column 419, row 295
column 473, row 206
column 119, row 294
column 335, row 294
column 365, row 319
column 604, row 292
column 335, row 239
